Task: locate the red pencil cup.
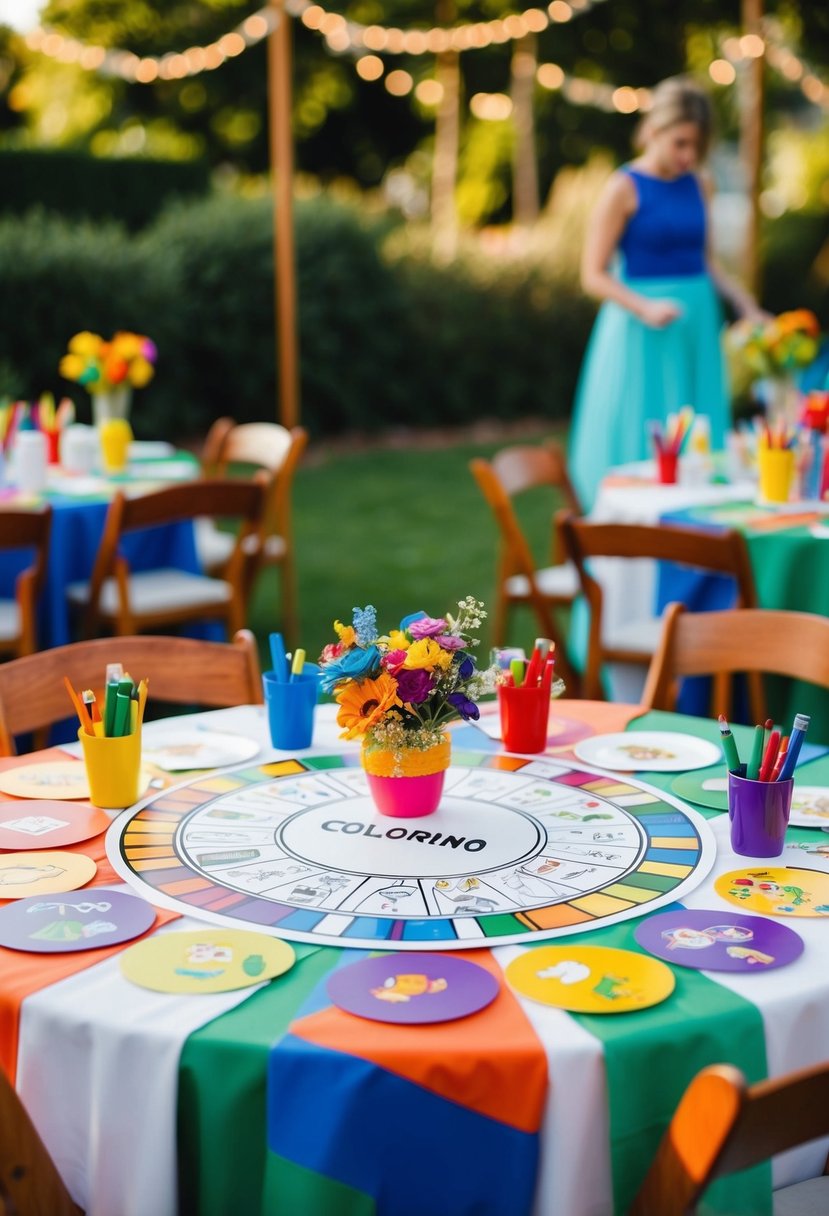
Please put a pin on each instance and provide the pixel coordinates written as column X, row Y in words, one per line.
column 667, row 467
column 524, row 715
column 759, row 814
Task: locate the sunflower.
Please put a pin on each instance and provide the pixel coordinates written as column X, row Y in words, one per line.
column 363, row 704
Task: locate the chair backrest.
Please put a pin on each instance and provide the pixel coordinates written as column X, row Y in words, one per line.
column 265, row 445
column 722, row 644
column 28, row 530
column 514, row 471
column 242, row 500
column 180, row 671
column 717, row 552
column 29, row 1183
column 526, row 466
column 722, row 1125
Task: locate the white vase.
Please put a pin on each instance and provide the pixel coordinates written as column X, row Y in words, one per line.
column 114, row 403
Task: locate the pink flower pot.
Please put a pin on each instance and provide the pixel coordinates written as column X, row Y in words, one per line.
column 406, row 797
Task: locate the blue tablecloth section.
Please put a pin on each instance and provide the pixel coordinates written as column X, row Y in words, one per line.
column 77, row 528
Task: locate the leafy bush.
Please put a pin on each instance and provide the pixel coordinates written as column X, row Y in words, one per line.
column 132, row 190
column 385, row 341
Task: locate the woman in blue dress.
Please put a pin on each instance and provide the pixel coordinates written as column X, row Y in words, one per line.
column 656, row 343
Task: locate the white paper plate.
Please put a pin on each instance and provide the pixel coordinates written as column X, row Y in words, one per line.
column 187, row 748
column 651, row 751
column 810, row 806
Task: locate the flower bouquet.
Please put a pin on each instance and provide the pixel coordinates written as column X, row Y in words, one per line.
column 777, row 347
column 109, row 370
column 397, row 692
column 770, row 353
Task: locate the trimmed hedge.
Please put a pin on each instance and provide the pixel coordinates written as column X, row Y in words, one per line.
column 383, row 343
column 131, row 190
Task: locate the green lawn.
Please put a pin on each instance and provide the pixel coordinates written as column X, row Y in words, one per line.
column 401, row 529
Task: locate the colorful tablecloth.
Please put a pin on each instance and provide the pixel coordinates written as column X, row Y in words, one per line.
column 270, row 1100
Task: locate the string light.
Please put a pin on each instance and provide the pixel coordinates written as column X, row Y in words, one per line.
column 146, row 69
column 340, row 35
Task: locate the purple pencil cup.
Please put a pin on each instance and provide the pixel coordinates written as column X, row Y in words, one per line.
column 759, row 814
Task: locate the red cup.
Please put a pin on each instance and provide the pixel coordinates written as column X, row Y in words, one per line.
column 667, row 467
column 524, row 716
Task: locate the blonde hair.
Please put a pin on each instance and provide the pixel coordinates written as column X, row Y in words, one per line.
column 673, row 101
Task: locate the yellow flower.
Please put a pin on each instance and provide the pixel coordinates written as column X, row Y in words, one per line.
column 127, row 345
column 85, row 343
column 398, row 640
column 345, row 633
column 71, row 366
column 427, row 654
column 140, row 372
column 363, row 704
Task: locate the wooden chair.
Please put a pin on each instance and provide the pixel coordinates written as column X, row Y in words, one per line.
column 30, row 1185
column 277, row 450
column 511, row 473
column 180, row 671
column 722, row 1125
column 129, row 602
column 18, row 616
column 636, row 641
column 722, row 644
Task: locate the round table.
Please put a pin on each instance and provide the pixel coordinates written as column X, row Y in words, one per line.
column 269, row 1099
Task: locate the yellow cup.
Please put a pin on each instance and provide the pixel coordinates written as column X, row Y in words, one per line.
column 113, row 768
column 116, row 436
column 776, row 469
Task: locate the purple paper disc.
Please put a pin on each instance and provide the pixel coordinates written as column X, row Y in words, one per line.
column 412, row 989
column 719, row 941
column 89, row 919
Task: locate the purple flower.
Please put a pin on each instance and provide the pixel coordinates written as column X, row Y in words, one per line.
column 414, row 686
column 467, row 709
column 426, row 627
column 466, row 668
column 449, row 641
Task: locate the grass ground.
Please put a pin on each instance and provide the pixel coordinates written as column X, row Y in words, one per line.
column 402, row 528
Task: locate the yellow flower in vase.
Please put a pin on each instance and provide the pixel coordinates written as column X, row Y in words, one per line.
column 426, row 653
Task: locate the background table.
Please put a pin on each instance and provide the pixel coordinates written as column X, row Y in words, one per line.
column 788, row 547
column 79, row 507
column 140, row 1095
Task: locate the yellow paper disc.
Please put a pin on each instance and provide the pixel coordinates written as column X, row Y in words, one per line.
column 590, row 979
column 57, row 779
column 779, row 891
column 205, row 960
column 44, row 873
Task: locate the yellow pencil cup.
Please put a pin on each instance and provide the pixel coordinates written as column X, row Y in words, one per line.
column 115, row 435
column 113, row 767
column 776, row 474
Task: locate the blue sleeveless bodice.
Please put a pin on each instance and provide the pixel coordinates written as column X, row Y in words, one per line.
column 665, row 238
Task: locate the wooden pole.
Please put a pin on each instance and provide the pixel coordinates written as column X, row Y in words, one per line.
column 282, row 177
column 525, row 203
column 447, row 136
column 751, row 143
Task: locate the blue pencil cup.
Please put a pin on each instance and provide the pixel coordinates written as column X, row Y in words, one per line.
column 291, row 708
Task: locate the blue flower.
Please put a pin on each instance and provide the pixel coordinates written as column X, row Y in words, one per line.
column 355, row 664
column 413, row 616
column 467, row 709
column 364, row 621
column 466, row 668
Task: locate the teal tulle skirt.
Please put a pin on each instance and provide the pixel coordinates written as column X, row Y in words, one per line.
column 633, row 374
